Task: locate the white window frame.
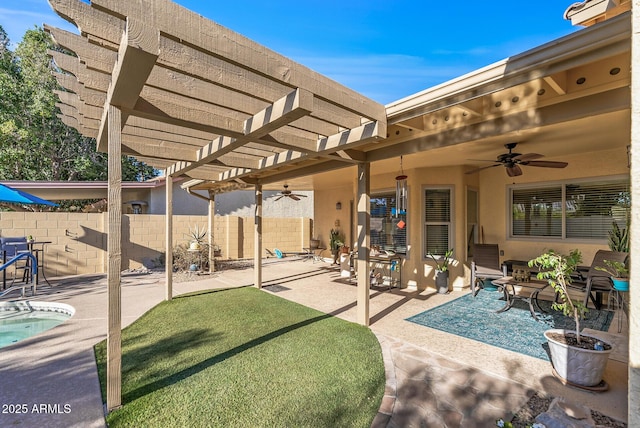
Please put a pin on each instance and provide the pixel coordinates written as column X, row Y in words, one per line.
column 450, row 223
column 562, row 184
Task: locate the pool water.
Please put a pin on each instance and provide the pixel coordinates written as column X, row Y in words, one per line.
column 21, row 320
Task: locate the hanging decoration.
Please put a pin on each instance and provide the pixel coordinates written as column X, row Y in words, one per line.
column 401, row 192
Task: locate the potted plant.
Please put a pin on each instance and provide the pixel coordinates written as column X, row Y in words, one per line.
column 336, row 241
column 619, row 274
column 197, row 236
column 619, row 237
column 578, row 358
column 442, row 270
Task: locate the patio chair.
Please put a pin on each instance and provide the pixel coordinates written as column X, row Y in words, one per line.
column 9, row 248
column 485, row 265
column 594, row 282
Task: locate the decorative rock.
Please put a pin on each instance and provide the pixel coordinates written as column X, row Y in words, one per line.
column 564, row 414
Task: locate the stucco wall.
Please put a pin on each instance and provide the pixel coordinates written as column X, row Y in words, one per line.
column 78, row 240
column 494, row 211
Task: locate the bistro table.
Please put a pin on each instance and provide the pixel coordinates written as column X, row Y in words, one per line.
column 508, row 285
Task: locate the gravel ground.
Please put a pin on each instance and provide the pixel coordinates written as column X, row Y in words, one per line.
column 539, row 404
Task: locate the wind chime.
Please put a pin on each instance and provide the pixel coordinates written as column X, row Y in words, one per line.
column 401, row 191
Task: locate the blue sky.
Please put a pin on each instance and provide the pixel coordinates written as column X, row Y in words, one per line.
column 384, row 49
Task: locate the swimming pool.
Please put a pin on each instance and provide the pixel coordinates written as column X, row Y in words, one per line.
column 23, row 319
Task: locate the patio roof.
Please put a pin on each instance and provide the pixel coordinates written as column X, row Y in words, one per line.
column 200, row 100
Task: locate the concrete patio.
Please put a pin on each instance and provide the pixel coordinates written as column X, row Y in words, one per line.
column 433, row 378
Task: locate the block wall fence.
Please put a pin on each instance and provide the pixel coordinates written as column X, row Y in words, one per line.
column 79, row 240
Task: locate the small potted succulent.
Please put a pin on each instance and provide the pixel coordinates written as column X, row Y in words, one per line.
column 197, row 236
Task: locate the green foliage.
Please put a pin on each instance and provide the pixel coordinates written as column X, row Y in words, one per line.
column 614, row 268
column 619, row 238
column 442, row 262
column 245, row 358
column 557, row 270
column 336, row 239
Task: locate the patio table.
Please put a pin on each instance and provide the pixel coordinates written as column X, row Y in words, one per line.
column 508, row 285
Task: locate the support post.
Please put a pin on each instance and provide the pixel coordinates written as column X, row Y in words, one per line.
column 114, row 252
column 211, row 225
column 257, row 250
column 633, row 415
column 364, row 220
column 168, row 231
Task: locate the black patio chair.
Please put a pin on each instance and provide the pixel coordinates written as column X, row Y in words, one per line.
column 595, row 283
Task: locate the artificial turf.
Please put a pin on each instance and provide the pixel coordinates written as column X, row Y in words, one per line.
column 244, row 357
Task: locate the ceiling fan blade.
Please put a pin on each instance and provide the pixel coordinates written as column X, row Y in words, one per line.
column 278, row 198
column 527, row 157
column 301, row 196
column 472, row 171
column 546, row 164
column 294, row 197
column 514, row 171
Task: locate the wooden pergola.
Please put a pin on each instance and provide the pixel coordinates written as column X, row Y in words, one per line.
column 151, row 79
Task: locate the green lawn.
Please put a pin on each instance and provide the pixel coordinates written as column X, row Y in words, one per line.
column 245, row 358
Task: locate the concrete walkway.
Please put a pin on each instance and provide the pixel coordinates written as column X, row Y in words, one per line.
column 433, row 378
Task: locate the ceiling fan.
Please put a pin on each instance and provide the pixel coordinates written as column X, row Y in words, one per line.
column 512, row 162
column 288, row 194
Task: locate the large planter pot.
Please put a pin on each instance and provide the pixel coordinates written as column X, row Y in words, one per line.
column 442, row 281
column 578, row 366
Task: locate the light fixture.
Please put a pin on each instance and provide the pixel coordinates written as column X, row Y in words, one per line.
column 338, row 206
column 629, row 156
column 401, row 191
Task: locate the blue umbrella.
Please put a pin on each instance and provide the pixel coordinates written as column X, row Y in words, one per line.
column 11, row 195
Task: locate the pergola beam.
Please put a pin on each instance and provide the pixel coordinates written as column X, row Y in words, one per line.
column 95, row 58
column 352, row 137
column 136, row 57
column 295, row 105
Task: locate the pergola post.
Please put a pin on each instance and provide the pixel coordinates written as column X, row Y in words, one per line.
column 114, row 251
column 633, row 415
column 364, row 220
column 168, row 249
column 211, row 225
column 257, row 250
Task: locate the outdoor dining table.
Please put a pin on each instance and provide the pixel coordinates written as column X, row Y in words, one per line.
column 508, row 285
column 37, row 249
